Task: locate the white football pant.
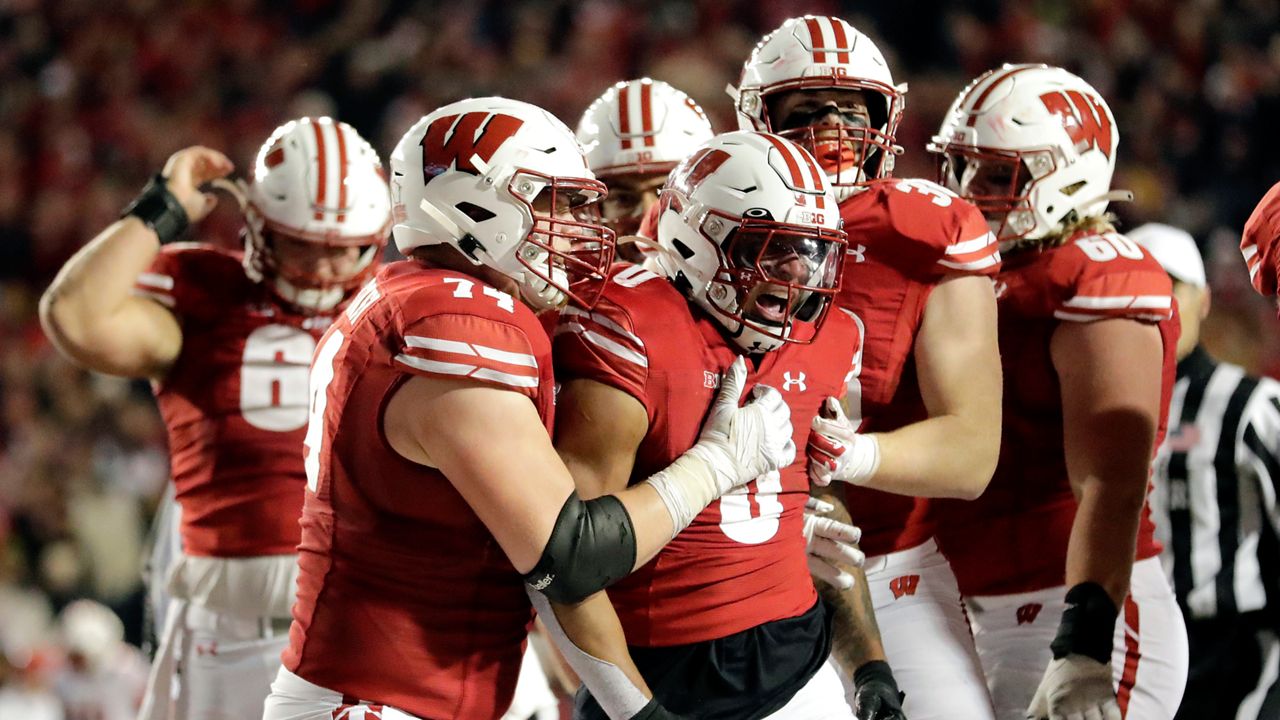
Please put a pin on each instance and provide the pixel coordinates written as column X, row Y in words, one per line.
column 926, row 635
column 1148, row 662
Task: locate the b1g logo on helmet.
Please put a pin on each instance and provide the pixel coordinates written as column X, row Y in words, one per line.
column 453, row 140
column 1083, row 116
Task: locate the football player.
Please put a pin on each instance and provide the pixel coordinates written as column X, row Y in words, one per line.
column 1046, row 557
column 634, row 135
column 1261, row 241
column 226, row 338
column 922, row 418
column 724, row 622
column 434, row 492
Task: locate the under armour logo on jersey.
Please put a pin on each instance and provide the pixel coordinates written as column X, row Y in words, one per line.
column 452, row 141
column 1001, row 288
column 710, row 380
column 859, row 253
column 905, row 585
column 1083, row 116
column 788, row 381
column 1027, row 613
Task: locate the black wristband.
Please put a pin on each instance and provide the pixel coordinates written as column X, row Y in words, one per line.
column 874, row 670
column 1088, row 625
column 160, row 210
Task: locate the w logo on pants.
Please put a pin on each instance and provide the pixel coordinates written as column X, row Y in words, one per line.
column 905, row 585
column 1027, row 613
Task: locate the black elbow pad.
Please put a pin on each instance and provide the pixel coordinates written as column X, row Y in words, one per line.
column 592, row 545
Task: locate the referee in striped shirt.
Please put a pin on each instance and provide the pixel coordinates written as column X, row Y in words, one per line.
column 1214, row 503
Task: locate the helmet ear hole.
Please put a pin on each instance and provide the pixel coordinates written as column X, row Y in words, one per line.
column 475, row 212
column 685, row 251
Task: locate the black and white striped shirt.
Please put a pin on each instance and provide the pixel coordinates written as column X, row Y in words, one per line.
column 1216, row 481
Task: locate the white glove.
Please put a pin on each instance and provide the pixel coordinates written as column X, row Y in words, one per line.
column 743, row 443
column 830, row 543
column 837, row 451
column 737, row 445
column 1075, row 688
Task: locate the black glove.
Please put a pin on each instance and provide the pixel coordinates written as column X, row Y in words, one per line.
column 654, row 711
column 877, row 696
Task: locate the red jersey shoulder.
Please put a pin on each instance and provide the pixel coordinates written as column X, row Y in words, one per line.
column 920, row 227
column 613, row 342
column 196, row 280
column 449, row 325
column 1258, row 243
column 1092, row 276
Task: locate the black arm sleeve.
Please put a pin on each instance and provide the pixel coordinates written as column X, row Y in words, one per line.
column 592, row 545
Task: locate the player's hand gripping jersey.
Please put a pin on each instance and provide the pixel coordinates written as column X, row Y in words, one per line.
column 905, row 236
column 404, row 597
column 1014, row 538
column 234, row 403
column 742, row 561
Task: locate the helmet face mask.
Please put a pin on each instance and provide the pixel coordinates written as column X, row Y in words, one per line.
column 748, row 227
column 568, row 247
column 999, row 183
column 776, row 274
column 318, row 192
column 505, row 184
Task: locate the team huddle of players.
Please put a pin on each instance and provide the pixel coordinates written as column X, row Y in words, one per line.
column 677, row 365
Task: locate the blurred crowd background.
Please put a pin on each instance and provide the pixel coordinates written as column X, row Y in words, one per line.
column 97, row 94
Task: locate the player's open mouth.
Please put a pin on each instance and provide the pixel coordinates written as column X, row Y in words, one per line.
column 771, row 308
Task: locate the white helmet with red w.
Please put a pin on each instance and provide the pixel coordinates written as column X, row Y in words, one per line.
column 1032, row 146
column 316, row 181
column 641, row 126
column 750, row 231
column 505, row 183
column 825, row 53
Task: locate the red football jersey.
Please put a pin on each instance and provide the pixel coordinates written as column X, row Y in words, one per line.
column 905, row 236
column 1014, row 538
column 404, row 597
column 742, row 561
column 234, row 403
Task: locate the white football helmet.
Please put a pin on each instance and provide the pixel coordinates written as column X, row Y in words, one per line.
column 825, row 53
column 641, row 126
column 749, row 229
column 470, row 174
column 316, row 180
column 1032, row 146
column 634, row 134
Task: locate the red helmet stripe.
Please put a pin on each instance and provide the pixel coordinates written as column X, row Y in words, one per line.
column 841, row 38
column 342, row 172
column 816, row 40
column 977, row 105
column 646, row 112
column 624, row 116
column 322, row 163
column 797, row 177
